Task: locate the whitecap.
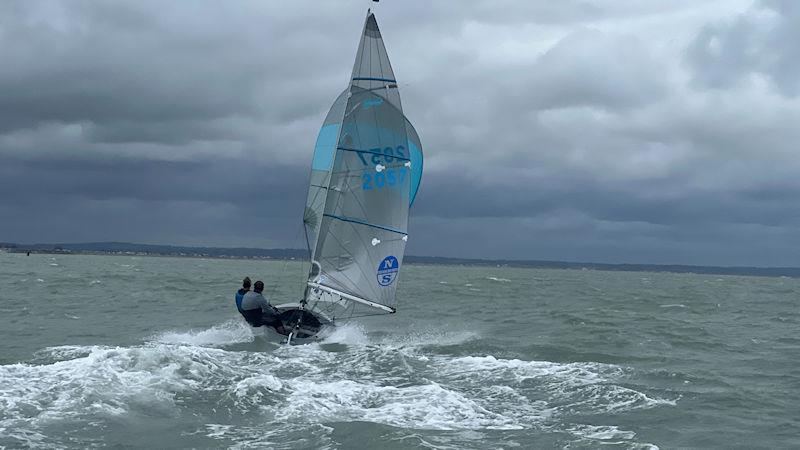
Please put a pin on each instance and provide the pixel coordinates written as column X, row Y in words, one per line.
column 601, row 432
column 103, row 381
column 351, row 333
column 422, row 338
column 253, row 389
column 502, row 280
column 584, row 386
column 231, row 332
column 428, row 406
column 218, row 430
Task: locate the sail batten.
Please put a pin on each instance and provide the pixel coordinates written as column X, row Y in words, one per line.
column 388, row 80
column 373, row 152
column 361, row 222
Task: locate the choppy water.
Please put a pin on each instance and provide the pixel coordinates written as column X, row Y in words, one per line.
column 149, row 352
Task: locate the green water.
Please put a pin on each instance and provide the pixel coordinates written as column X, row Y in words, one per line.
column 149, row 352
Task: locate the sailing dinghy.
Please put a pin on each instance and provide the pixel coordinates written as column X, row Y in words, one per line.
column 365, row 172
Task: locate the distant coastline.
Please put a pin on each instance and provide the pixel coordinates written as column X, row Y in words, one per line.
column 130, row 249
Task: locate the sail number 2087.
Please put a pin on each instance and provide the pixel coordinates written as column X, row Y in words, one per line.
column 386, row 177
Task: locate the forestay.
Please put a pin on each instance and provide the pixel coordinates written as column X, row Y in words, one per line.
column 365, row 174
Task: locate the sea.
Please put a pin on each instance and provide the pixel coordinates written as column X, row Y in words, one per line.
column 149, row 352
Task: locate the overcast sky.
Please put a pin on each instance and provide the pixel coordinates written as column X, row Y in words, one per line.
column 607, row 131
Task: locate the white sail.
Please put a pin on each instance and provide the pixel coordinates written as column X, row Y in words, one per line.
column 365, row 174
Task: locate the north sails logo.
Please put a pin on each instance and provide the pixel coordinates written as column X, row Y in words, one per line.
column 388, row 270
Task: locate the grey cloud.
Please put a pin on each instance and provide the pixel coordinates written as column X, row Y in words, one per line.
column 222, row 202
column 665, row 202
column 571, row 237
column 148, row 64
column 765, row 41
column 562, row 130
column 265, row 190
column 591, row 68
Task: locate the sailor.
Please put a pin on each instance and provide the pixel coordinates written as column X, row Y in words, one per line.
column 240, row 293
column 257, row 311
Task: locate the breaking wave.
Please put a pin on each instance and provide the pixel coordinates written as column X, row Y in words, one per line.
column 404, row 382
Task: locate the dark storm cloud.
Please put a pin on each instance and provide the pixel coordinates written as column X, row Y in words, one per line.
column 149, row 65
column 580, row 130
column 263, row 190
column 654, row 202
column 569, row 236
column 135, row 199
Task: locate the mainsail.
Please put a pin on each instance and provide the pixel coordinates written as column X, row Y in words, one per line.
column 365, row 173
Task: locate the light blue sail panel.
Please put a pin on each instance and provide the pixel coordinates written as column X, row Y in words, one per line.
column 415, row 154
column 325, row 147
column 324, row 153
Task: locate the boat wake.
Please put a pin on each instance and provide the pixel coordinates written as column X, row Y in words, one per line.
column 230, row 332
column 218, row 395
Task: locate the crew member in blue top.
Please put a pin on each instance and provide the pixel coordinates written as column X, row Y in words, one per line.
column 240, row 293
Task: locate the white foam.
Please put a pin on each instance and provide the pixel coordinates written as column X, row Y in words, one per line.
column 231, row 332
column 287, row 435
column 102, row 382
column 98, row 381
column 396, row 380
column 253, row 389
column 502, row 280
column 430, row 406
column 609, row 398
column 601, row 432
column 582, row 386
column 573, row 373
column 421, row 338
column 351, row 333
column 216, row 430
column 676, row 305
column 607, row 435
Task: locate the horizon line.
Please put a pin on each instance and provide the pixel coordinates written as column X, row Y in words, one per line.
column 53, row 246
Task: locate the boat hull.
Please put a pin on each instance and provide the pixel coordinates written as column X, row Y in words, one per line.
column 302, row 324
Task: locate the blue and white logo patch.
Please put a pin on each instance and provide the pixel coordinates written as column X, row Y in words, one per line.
column 387, row 270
